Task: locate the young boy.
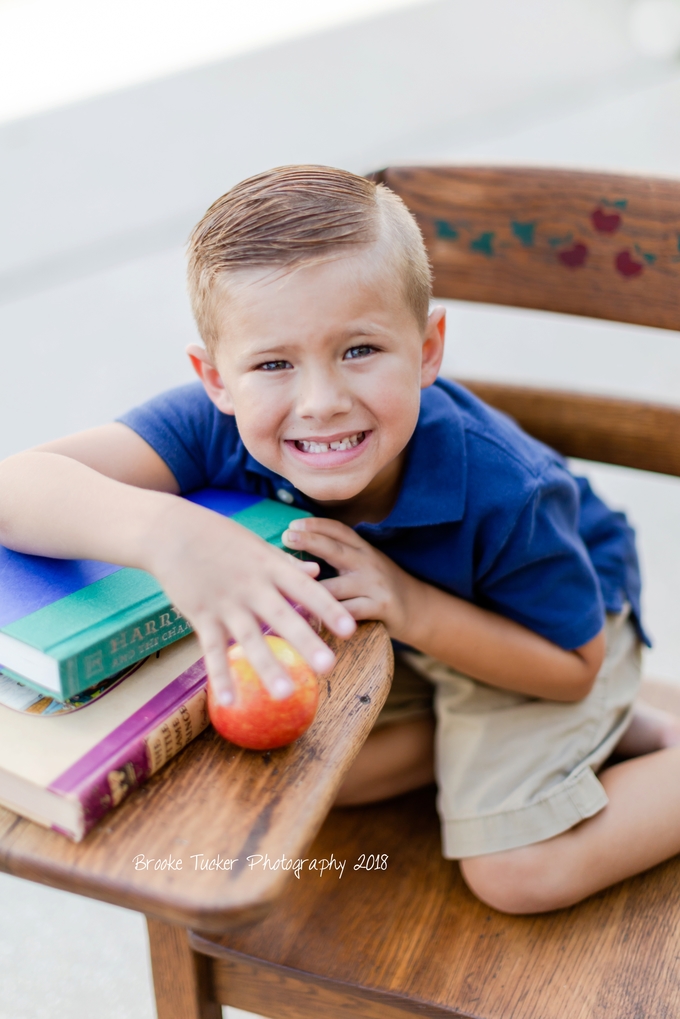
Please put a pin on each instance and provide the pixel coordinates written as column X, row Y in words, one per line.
column 512, row 591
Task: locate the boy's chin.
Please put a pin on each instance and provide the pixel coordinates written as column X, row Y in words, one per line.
column 328, row 490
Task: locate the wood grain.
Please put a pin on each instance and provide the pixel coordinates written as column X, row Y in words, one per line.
column 414, row 938
column 217, row 800
column 595, row 244
column 280, row 993
column 181, row 978
column 626, row 432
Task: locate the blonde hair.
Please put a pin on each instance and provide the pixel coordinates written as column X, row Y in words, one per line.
column 293, row 216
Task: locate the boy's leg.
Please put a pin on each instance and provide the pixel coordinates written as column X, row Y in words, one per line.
column 394, row 759
column 650, row 729
column 398, row 756
column 639, row 828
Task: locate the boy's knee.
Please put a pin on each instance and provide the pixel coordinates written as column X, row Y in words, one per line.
column 518, row 881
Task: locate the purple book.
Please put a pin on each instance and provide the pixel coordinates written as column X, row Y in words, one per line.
column 66, row 771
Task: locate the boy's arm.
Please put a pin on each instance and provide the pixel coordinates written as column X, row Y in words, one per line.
column 471, row 639
column 495, row 649
column 106, row 494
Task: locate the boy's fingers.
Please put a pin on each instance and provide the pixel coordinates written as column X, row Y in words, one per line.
column 214, row 643
column 317, row 600
column 349, row 585
column 361, row 608
column 324, row 525
column 306, row 566
column 246, row 631
column 290, row 624
column 336, row 552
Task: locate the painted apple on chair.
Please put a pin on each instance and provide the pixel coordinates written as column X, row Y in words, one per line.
column 605, row 222
column 575, row 256
column 626, row 264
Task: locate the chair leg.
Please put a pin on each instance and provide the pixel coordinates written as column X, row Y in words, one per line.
column 181, row 977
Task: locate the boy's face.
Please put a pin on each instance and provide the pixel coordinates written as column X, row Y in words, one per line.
column 323, row 368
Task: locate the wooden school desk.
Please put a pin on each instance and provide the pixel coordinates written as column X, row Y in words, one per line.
column 411, row 940
column 214, row 802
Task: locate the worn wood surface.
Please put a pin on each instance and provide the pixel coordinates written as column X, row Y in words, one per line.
column 182, row 978
column 412, row 937
column 279, row 993
column 593, row 244
column 626, row 432
column 219, row 801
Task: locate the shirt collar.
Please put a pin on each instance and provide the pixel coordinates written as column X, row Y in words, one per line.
column 433, row 487
column 434, row 483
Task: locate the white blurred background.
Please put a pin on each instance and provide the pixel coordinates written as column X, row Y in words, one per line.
column 120, row 122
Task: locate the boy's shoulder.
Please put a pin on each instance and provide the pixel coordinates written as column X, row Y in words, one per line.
column 498, row 462
column 473, row 467
column 188, row 402
column 200, row 445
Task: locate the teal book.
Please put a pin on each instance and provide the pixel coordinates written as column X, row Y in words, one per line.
column 66, row 625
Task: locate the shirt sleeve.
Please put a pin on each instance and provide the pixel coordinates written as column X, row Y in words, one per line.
column 180, row 425
column 543, row 576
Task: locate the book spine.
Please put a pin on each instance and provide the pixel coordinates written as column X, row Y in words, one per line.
column 131, row 644
column 140, row 746
column 117, row 651
column 140, row 759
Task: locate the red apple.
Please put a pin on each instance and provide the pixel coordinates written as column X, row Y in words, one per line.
column 255, row 720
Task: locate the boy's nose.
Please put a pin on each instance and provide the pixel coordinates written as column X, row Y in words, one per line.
column 322, row 396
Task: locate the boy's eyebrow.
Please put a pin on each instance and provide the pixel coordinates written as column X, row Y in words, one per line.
column 362, row 330
column 281, row 347
column 278, row 348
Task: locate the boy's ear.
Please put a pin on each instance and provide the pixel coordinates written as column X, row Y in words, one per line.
column 204, row 366
column 433, row 346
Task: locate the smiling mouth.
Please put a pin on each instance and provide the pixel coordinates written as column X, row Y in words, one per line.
column 338, row 446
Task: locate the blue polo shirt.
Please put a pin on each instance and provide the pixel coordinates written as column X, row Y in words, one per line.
column 484, row 510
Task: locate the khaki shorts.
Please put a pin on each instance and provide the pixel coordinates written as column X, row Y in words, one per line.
column 513, row 770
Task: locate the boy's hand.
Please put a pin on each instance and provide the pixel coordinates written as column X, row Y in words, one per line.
column 471, row 639
column 225, row 580
column 369, row 585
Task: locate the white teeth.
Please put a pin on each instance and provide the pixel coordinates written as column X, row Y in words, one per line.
column 322, row 447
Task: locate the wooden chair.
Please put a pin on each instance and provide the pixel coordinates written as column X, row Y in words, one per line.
column 411, row 939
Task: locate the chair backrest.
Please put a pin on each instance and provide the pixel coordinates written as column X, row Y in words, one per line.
column 594, row 244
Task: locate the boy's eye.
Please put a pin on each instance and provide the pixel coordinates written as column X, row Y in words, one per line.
column 361, row 351
column 273, row 366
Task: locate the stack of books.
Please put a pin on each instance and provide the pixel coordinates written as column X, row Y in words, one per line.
column 101, row 681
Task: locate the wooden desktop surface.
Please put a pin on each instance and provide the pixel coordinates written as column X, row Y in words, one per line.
column 215, row 802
